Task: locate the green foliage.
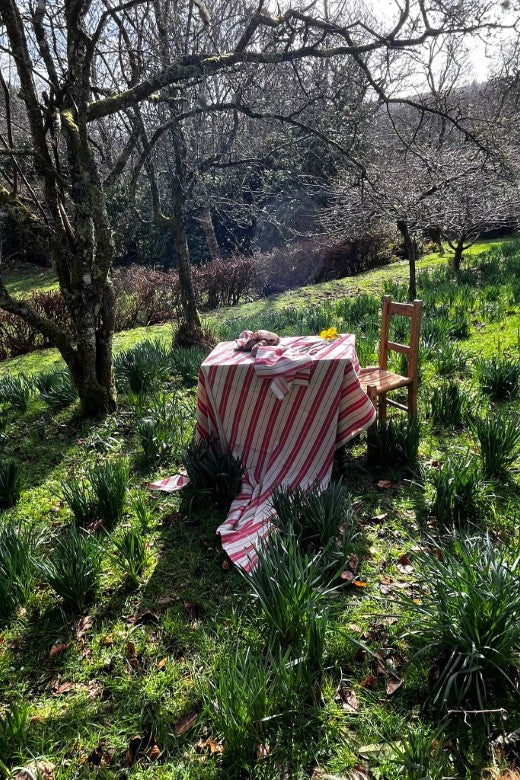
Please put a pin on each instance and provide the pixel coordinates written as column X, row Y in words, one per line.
column 395, row 442
column 468, row 618
column 17, row 568
column 239, row 703
column 14, row 725
column 56, row 388
column 288, row 586
column 420, row 754
column 142, row 512
column 164, row 427
column 140, row 368
column 72, row 568
column 499, row 377
column 450, row 359
column 101, row 496
column 448, row 405
column 131, row 553
column 459, row 491
column 212, row 473
column 318, row 517
column 499, row 437
column 109, row 482
column 11, row 482
column 15, row 391
column 186, row 363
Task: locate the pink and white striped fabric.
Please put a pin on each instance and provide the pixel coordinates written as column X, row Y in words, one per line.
column 283, row 438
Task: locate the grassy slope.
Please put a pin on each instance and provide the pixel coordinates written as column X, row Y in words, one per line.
column 203, row 609
column 368, row 282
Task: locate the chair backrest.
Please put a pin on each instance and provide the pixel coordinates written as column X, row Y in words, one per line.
column 411, row 310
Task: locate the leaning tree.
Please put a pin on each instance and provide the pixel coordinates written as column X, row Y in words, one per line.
column 62, row 59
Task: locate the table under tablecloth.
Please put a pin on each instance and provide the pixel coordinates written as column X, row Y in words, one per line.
column 288, row 440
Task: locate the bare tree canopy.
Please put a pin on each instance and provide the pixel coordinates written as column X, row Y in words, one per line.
column 91, row 85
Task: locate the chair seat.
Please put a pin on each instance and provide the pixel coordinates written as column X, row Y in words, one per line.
column 381, row 379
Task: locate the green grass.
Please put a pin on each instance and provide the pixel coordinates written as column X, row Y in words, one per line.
column 150, row 654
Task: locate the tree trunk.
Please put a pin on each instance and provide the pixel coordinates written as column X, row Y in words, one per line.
column 411, row 253
column 209, row 234
column 457, row 256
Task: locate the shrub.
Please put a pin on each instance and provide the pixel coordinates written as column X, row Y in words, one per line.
column 15, row 391
column 186, row 363
column 130, row 553
column 448, row 404
column 224, row 282
column 239, row 704
column 109, row 485
column 56, row 388
column 81, row 500
column 352, row 256
column 17, row 567
column 10, row 482
column 498, row 377
column 138, row 369
column 288, row 585
column 459, row 491
column 450, row 359
column 319, row 517
column 164, row 428
column 14, row 724
column 469, row 618
column 395, row 442
column 211, row 473
column 499, row 438
column 73, row 568
column 17, row 337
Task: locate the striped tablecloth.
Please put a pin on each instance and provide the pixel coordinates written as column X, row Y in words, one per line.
column 289, row 441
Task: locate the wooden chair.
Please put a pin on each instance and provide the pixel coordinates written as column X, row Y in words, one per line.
column 377, row 381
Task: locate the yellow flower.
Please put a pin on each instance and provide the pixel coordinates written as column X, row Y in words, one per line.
column 329, row 334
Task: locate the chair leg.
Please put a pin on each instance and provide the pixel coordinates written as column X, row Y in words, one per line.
column 382, row 407
column 412, row 400
column 372, row 394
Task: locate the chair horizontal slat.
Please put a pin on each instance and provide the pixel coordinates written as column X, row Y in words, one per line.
column 404, row 309
column 398, row 347
column 391, row 402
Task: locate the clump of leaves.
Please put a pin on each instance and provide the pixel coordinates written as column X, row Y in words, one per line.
column 56, row 388
column 499, row 437
column 15, row 391
column 459, row 491
column 140, row 368
column 131, row 553
column 17, row 567
column 101, row 495
column 109, row 482
column 11, row 482
column 450, row 359
column 318, row 517
column 211, row 473
column 186, row 362
column 164, row 427
column 499, row 377
column 469, row 618
column 239, row 704
column 288, row 586
column 394, row 441
column 419, row 753
column 448, row 405
column 72, row 568
column 14, row 724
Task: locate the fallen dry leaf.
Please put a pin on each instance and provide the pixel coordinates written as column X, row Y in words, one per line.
column 161, row 664
column 132, row 750
column 262, row 751
column 185, row 723
column 214, row 747
column 83, row 625
column 154, row 752
column 61, row 688
column 43, row 770
column 350, row 702
column 370, row 681
column 226, row 565
column 59, row 649
column 95, row 689
column 145, row 617
column 348, row 576
column 194, row 611
column 165, row 601
column 359, row 584
column 384, row 483
column 130, row 650
column 393, row 684
column 379, row 518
